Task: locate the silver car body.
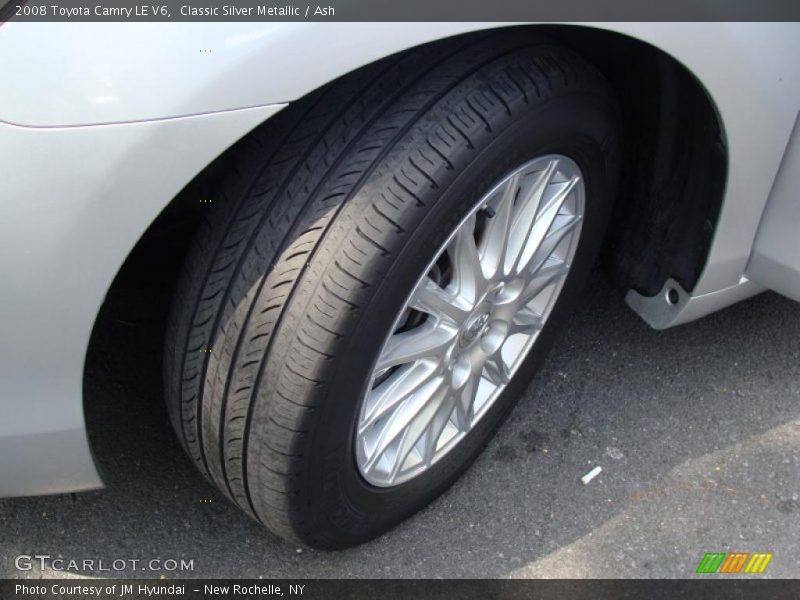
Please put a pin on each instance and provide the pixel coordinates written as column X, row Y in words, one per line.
column 101, row 126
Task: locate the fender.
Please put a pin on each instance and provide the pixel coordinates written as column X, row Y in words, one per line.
column 74, row 201
column 119, row 73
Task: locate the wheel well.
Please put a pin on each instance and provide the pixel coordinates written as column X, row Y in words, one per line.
column 675, row 163
column 669, row 200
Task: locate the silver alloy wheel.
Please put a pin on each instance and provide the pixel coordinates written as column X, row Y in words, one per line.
column 459, row 339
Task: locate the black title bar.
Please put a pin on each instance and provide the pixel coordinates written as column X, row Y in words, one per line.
column 316, row 589
column 399, row 10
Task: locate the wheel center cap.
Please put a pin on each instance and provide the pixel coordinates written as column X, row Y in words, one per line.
column 475, row 328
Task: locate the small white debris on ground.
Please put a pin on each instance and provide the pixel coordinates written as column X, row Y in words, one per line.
column 614, row 453
column 591, row 475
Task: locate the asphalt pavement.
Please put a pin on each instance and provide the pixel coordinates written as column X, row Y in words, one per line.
column 697, row 431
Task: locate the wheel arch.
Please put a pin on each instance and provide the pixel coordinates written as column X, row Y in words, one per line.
column 651, row 83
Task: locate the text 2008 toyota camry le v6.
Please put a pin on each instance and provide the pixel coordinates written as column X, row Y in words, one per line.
column 387, row 225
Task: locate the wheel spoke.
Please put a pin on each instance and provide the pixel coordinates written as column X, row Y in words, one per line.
column 416, row 429
column 396, row 389
column 526, row 321
column 437, row 425
column 467, row 271
column 541, row 227
column 496, row 370
column 428, row 340
column 465, row 407
column 542, row 278
column 558, row 231
column 431, row 298
column 525, row 215
column 407, row 424
column 494, row 243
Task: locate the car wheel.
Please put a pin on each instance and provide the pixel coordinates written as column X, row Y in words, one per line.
column 384, row 266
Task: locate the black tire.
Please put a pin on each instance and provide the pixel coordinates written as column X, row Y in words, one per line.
column 325, row 219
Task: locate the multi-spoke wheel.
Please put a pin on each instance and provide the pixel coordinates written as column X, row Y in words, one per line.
column 459, row 339
column 380, row 276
